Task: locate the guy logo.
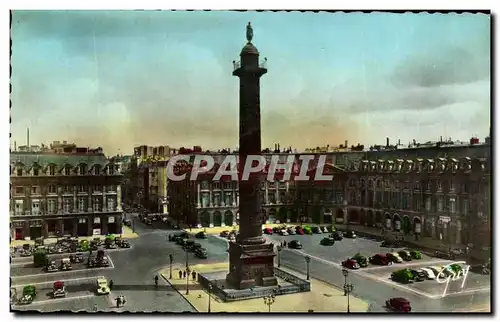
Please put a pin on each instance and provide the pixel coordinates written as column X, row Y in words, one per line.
column 447, row 274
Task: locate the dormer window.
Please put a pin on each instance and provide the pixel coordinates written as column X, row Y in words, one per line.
column 67, row 170
column 97, row 170
column 111, row 169
column 36, row 172
column 19, row 172
column 82, row 169
column 52, row 170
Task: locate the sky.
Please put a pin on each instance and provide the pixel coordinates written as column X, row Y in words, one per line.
column 118, row 79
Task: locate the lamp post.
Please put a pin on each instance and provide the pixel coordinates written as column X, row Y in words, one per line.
column 279, row 248
column 209, row 295
column 348, row 287
column 269, row 300
column 308, row 259
column 171, row 258
column 188, row 271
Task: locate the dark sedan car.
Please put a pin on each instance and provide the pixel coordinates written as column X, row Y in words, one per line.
column 337, row 235
column 327, row 241
column 201, row 235
column 316, row 230
column 295, row 244
column 350, row 234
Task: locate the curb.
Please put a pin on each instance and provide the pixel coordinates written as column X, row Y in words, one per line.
column 178, row 292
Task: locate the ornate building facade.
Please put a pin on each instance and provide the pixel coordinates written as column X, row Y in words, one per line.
column 56, row 194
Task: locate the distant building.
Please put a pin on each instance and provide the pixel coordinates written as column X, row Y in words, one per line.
column 64, row 190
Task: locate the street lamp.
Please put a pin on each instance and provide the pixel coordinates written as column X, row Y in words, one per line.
column 348, row 287
column 308, row 259
column 279, row 248
column 188, row 272
column 269, row 300
column 209, row 295
column 171, row 258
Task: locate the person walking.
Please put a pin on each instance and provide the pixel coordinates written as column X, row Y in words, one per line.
column 185, row 274
column 284, row 243
column 180, row 274
column 111, row 284
column 193, row 275
column 118, row 301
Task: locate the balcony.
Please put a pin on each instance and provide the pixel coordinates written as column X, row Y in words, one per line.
column 262, row 64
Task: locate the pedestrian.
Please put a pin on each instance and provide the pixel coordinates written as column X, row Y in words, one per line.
column 180, row 274
column 193, row 275
column 110, row 284
column 118, row 301
column 284, row 243
column 95, row 307
column 345, row 290
column 185, row 274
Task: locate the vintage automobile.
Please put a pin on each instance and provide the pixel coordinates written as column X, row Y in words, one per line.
column 398, row 304
column 350, row 263
column 201, row 235
column 327, row 241
column 201, row 253
column 362, row 260
column 51, row 266
column 391, row 243
column 102, row 286
column 268, row 231
column 77, row 258
column 405, row 255
column 181, row 241
column 394, row 257
column 58, row 289
column 291, row 231
column 379, row 259
column 415, row 254
column 457, row 269
column 324, row 229
column 404, row 276
column 307, row 230
column 294, row 244
column 300, row 231
column 429, row 274
column 418, row 275
column 224, row 233
column 124, row 244
column 444, row 255
column 127, row 222
column 337, row 235
column 480, row 269
column 316, row 230
column 276, row 230
column 98, row 241
column 94, row 245
column 29, row 294
column 66, row 264
column 350, row 234
column 283, row 232
column 446, row 270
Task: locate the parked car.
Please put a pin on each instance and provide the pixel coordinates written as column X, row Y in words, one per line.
column 294, row 244
column 267, row 231
column 480, row 269
column 418, row 275
column 327, row 241
column 337, row 235
column 404, row 276
column 316, row 230
column 350, row 234
column 391, row 243
column 394, row 257
column 58, row 289
column 429, row 274
column 275, row 230
column 283, row 232
column 29, row 294
column 102, row 286
column 78, row 258
column 324, row 229
column 398, row 304
column 457, row 269
column 307, row 230
column 201, row 253
column 66, row 264
column 124, row 244
column 405, row 255
column 291, row 231
column 350, row 263
column 379, row 259
column 362, row 260
column 127, row 222
column 446, row 270
column 415, row 254
column 300, row 231
column 201, row 235
column 224, row 233
column 444, row 255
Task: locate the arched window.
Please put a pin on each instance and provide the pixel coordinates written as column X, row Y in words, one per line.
column 97, row 169
column 82, row 169
column 52, row 170
column 67, row 170
column 19, row 172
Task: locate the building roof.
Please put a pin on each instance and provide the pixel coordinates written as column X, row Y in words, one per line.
column 27, row 159
column 249, row 49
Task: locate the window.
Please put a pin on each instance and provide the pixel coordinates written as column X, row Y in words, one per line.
column 452, row 185
column 439, row 185
column 52, row 170
column 428, row 204
column 217, row 199
column 271, row 197
column 81, row 188
column 35, row 207
column 19, row 209
column 227, row 186
column 67, row 170
column 397, row 184
column 97, row 170
column 97, row 204
column 111, row 204
column 36, row 172
column 283, row 198
column 97, row 188
column 82, row 169
column 228, row 200
column 35, row 190
column 112, row 188
column 205, row 200
column 111, row 169
column 216, row 185
column 417, row 185
column 67, row 189
column 67, row 205
column 465, row 206
column 204, row 185
column 451, row 205
column 19, row 172
column 52, row 189
column 81, row 205
column 19, row 190
column 51, row 206
column 440, row 203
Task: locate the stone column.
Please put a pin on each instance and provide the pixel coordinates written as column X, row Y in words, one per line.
column 211, row 219
column 59, row 201
column 26, row 230
column 344, row 210
column 458, row 239
column 118, row 198
column 211, row 198
column 90, row 203
column 198, row 193
column 223, row 222
column 198, row 220
column 266, row 193
column 287, row 187
column 75, row 201
column 75, row 227
column 45, row 229
column 433, row 223
column 277, row 195
column 104, row 200
column 234, row 199
column 60, row 226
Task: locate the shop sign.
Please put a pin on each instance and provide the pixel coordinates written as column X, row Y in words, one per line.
column 111, row 220
column 97, row 220
column 96, row 231
column 35, row 223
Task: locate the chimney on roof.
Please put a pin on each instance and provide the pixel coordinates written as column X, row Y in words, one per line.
column 441, row 138
column 345, row 144
column 399, row 142
column 387, row 142
column 15, row 146
column 414, row 142
column 28, row 137
column 279, row 147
